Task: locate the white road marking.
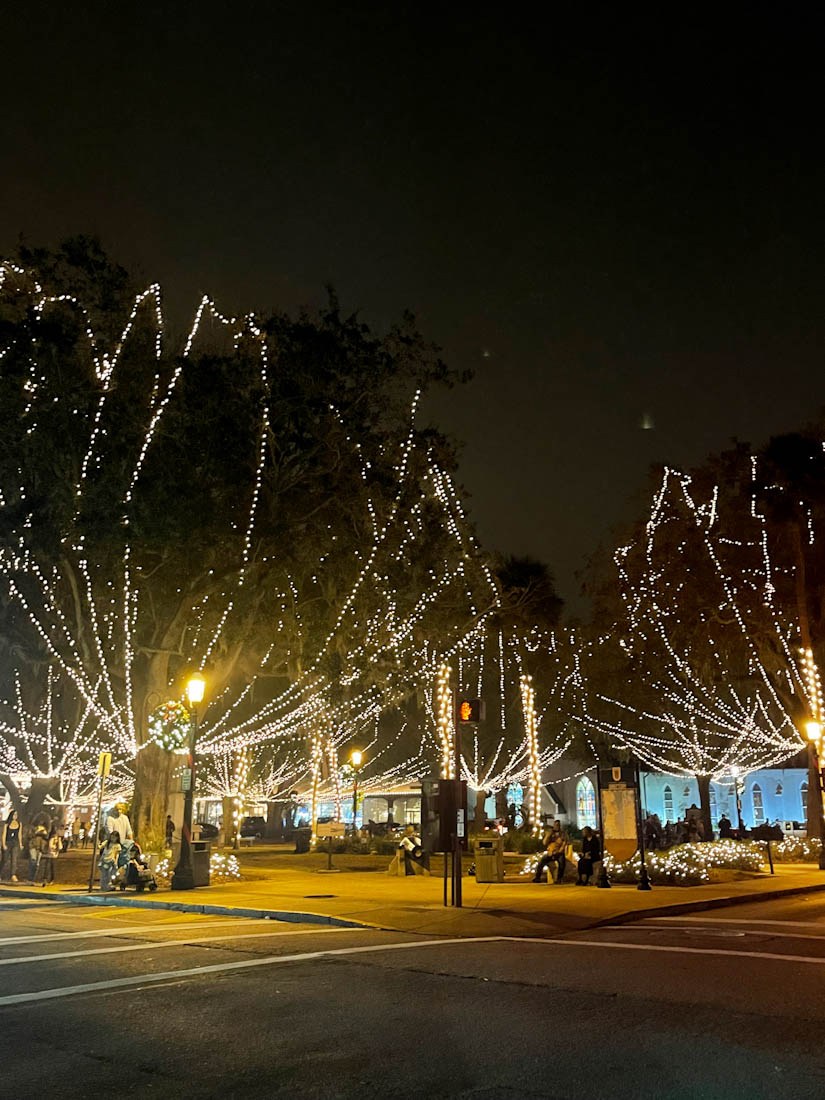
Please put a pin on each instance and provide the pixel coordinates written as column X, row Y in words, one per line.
column 189, row 941
column 158, row 926
column 815, row 959
column 245, row 964
column 713, row 931
column 733, row 922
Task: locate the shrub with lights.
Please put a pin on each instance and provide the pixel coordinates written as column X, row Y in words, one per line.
column 798, row 849
column 684, row 865
column 222, row 869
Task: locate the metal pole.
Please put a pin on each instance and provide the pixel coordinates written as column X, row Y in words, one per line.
column 603, row 881
column 183, row 877
column 458, row 809
column 354, row 802
column 96, row 834
column 644, row 880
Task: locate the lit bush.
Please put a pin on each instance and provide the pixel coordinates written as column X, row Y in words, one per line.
column 798, row 849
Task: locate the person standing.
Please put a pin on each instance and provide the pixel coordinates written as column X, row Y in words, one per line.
column 10, row 845
column 170, row 830
column 119, row 823
column 54, row 846
column 38, row 843
column 107, row 861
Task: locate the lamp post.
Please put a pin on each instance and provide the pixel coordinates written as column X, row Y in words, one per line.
column 356, row 758
column 183, row 877
column 816, row 750
column 734, row 771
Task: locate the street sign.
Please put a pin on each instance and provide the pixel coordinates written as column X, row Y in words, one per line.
column 331, row 828
column 459, row 822
column 186, row 779
column 104, row 764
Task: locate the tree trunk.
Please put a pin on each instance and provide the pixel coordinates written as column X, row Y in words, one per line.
column 479, row 815
column 40, row 789
column 704, row 803
column 814, row 807
column 501, row 804
column 152, row 774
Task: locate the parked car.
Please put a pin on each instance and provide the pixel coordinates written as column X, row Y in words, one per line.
column 253, row 826
column 207, row 831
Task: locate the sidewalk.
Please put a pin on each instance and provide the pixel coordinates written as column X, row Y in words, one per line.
column 415, row 904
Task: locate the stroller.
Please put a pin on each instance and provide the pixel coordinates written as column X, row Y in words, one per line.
column 136, row 873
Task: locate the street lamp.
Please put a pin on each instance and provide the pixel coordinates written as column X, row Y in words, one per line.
column 356, row 758
column 183, row 877
column 816, row 746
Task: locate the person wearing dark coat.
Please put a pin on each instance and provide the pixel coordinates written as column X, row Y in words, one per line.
column 591, row 853
column 725, row 828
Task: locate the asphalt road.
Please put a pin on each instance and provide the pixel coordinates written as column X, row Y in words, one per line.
column 724, row 1004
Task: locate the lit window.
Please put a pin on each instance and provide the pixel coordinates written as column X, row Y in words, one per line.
column 585, row 803
column 758, row 808
column 668, row 794
column 803, row 794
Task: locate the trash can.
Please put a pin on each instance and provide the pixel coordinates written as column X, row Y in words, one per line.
column 302, row 840
column 200, row 862
column 489, row 857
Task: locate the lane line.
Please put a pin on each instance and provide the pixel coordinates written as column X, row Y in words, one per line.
column 245, row 964
column 189, row 941
column 733, row 922
column 121, row 928
column 694, row 928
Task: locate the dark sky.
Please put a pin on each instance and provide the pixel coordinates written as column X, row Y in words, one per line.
column 607, row 218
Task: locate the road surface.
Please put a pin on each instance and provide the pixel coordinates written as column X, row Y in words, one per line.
column 725, row 1004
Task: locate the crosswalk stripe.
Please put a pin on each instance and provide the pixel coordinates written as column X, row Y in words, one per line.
column 119, row 929
column 190, row 941
column 734, row 921
column 245, row 964
column 696, row 928
column 817, row 960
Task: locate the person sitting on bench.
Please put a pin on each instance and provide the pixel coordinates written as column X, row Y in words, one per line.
column 556, row 842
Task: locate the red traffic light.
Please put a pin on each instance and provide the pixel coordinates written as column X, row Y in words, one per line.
column 471, row 710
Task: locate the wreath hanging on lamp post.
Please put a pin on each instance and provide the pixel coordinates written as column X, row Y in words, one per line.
column 170, row 725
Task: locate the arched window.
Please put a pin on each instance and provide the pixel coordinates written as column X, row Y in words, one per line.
column 713, row 807
column 803, row 794
column 585, row 803
column 668, row 796
column 758, row 808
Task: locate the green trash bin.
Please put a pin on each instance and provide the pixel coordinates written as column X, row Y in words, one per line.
column 489, row 858
column 303, row 838
column 201, row 853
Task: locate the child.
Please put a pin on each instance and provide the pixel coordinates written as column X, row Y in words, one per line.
column 54, row 846
column 107, row 860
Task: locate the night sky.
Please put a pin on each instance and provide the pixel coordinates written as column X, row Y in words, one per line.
column 612, row 222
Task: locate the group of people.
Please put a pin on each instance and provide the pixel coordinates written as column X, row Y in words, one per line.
column 40, row 844
column 36, row 848
column 559, row 851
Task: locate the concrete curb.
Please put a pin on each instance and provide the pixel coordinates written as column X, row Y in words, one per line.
column 707, row 903
column 288, row 915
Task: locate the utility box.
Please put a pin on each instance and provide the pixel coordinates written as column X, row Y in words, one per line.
column 201, row 854
column 489, row 858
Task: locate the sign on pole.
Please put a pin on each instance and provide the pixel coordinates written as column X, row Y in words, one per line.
column 104, row 764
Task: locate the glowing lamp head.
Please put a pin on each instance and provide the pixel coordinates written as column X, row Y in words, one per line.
column 734, row 771
column 465, row 711
column 195, row 688
column 813, row 731
column 355, row 758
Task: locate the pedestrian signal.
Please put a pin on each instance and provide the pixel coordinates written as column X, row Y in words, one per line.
column 470, row 710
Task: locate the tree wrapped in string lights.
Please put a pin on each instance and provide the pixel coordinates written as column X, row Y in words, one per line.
column 255, row 502
column 698, row 675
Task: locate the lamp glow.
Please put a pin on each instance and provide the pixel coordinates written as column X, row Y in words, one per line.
column 195, row 688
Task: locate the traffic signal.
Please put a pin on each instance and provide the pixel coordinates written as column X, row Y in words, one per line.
column 470, row 710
